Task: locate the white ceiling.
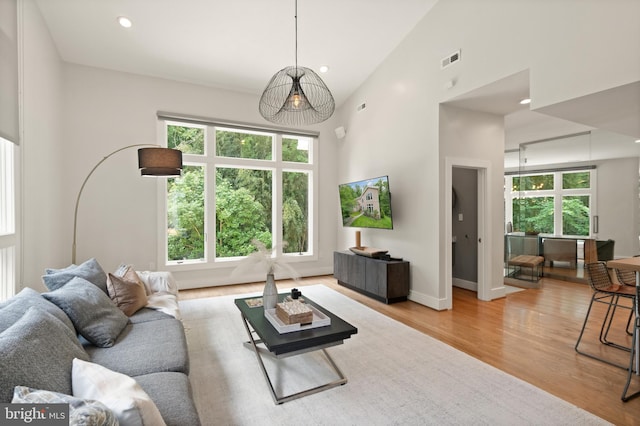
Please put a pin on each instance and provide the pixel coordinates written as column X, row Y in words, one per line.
column 240, row 44
column 233, row 44
column 611, row 117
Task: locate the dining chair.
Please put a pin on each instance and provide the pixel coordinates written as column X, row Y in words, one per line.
column 611, row 294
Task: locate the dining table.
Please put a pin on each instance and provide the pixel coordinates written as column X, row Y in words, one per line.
column 631, row 264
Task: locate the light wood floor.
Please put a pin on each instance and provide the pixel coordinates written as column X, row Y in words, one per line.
column 529, row 334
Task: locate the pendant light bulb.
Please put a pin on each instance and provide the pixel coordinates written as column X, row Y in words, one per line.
column 295, row 100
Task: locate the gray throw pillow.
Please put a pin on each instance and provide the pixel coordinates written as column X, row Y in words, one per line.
column 93, row 314
column 37, row 351
column 11, row 310
column 89, row 270
column 82, row 412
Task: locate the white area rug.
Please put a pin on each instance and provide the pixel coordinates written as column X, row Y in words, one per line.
column 397, row 376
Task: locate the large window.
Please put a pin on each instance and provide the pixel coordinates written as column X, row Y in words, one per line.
column 238, row 185
column 555, row 202
column 7, row 220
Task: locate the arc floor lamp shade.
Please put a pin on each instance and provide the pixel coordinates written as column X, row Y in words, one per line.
column 159, row 161
column 156, row 161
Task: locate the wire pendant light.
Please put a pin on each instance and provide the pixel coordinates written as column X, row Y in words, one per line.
column 296, row 95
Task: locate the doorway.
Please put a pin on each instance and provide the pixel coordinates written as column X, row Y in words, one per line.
column 464, row 228
column 482, row 242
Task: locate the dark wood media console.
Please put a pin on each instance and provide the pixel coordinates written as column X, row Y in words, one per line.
column 384, row 280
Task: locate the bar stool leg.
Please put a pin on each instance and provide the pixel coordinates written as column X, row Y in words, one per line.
column 626, row 397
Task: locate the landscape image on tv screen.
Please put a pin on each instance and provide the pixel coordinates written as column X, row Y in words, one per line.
column 366, row 203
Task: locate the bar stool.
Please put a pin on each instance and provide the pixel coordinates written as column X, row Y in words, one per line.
column 633, row 356
column 627, row 277
column 607, row 292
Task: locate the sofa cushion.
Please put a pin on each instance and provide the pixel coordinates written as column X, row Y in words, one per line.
column 81, row 411
column 128, row 294
column 147, row 314
column 91, row 311
column 89, row 270
column 147, row 347
column 171, row 393
column 13, row 309
column 122, row 394
column 37, row 351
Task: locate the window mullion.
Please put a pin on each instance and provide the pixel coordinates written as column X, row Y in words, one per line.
column 233, row 162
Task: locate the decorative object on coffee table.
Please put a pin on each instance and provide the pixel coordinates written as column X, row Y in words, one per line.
column 270, row 292
column 267, row 260
column 293, row 312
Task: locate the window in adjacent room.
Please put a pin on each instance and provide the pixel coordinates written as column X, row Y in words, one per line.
column 238, row 185
column 555, row 202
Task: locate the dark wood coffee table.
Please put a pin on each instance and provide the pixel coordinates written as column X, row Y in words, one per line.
column 293, row 343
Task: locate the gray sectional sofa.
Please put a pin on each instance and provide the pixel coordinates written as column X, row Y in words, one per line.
column 42, row 333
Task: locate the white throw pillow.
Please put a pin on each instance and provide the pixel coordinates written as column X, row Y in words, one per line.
column 120, row 393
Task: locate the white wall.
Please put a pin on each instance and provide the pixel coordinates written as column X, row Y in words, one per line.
column 105, row 110
column 475, row 139
column 618, row 204
column 43, row 168
column 498, row 38
column 76, row 115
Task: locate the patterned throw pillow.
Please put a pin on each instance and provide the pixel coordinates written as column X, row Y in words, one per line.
column 82, row 412
column 93, row 314
column 89, row 270
column 12, row 309
column 37, row 351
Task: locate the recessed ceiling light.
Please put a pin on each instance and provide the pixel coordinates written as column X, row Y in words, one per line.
column 324, row 68
column 525, row 101
column 637, row 140
column 124, row 22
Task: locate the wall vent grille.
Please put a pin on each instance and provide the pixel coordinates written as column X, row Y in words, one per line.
column 450, row 59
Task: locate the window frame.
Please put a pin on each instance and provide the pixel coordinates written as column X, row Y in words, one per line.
column 211, row 161
column 9, row 217
column 557, row 193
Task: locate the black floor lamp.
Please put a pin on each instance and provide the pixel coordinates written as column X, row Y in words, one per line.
column 152, row 161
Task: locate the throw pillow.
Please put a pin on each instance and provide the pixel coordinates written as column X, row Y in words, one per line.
column 11, row 310
column 128, row 295
column 89, row 270
column 37, row 351
column 81, row 412
column 128, row 272
column 91, row 311
column 122, row 394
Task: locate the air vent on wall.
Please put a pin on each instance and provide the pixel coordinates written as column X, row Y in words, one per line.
column 450, row 59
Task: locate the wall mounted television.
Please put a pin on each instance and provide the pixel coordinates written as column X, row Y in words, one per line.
column 366, row 203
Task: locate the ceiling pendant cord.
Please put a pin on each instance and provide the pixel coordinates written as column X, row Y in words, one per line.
column 296, row 22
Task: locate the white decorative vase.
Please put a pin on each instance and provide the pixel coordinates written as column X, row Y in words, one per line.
column 270, row 293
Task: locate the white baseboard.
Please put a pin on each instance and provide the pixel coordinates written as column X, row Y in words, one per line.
column 467, row 285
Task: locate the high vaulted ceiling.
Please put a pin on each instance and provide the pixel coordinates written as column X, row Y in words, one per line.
column 233, row 44
column 240, row 44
